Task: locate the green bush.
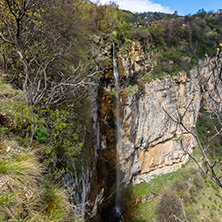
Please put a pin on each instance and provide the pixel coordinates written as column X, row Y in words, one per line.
column 42, row 135
column 5, row 130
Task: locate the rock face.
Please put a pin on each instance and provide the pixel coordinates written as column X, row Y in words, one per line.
column 136, row 61
column 151, row 141
column 211, row 84
column 150, row 144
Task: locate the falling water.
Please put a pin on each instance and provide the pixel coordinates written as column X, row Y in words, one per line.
column 118, row 137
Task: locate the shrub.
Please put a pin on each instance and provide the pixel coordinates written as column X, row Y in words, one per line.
column 180, row 185
column 218, row 195
column 42, row 135
column 197, row 180
column 5, row 130
column 169, row 206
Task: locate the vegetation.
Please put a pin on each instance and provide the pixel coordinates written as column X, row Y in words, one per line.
column 160, row 199
column 50, row 55
column 144, row 17
column 177, row 43
column 28, row 192
column 47, row 52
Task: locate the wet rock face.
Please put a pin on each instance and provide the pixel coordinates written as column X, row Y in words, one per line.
column 149, row 138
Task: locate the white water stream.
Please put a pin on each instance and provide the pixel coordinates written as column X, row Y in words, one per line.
column 118, row 136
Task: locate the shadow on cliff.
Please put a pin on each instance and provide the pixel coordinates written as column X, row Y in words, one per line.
column 131, row 205
column 129, row 209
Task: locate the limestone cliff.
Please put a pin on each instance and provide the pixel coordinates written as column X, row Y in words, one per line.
column 210, row 83
column 149, row 137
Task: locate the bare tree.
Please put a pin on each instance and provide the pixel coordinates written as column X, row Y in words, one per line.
column 38, row 47
column 44, row 40
column 211, row 87
column 184, row 213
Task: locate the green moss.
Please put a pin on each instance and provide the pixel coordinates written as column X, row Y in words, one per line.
column 131, row 89
column 150, row 76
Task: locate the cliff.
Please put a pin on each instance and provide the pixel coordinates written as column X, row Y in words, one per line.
column 149, row 137
column 150, row 143
column 150, row 140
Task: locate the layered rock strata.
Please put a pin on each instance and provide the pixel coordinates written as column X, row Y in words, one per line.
column 150, row 139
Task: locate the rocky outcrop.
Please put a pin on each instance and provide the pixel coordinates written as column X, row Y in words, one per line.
column 136, row 61
column 149, row 137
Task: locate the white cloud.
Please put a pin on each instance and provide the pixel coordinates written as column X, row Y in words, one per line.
column 140, row 5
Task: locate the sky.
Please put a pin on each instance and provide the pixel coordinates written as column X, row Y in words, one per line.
column 184, row 7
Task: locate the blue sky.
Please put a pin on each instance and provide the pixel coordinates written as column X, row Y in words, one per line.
column 184, row 7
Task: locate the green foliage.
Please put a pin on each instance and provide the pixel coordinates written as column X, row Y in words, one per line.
column 149, row 77
column 131, row 89
column 6, row 89
column 5, row 130
column 123, row 28
column 102, row 19
column 202, row 127
column 27, row 192
column 172, row 61
column 186, row 184
column 17, row 115
column 148, row 16
column 42, row 135
column 195, row 34
column 206, row 129
column 65, row 128
column 140, row 33
column 157, row 33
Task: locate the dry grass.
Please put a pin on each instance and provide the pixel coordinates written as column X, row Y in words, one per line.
column 27, row 192
column 26, row 195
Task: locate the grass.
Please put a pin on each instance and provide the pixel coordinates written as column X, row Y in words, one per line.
column 26, row 195
column 7, row 90
column 27, row 191
column 200, row 199
column 21, row 168
column 150, row 76
column 148, row 211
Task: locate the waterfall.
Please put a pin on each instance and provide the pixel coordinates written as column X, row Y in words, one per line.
column 118, row 136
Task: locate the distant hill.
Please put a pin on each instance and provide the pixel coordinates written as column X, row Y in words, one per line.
column 147, row 16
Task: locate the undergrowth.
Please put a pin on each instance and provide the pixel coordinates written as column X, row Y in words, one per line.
column 28, row 192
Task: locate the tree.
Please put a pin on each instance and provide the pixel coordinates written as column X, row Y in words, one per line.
column 28, row 27
column 48, row 42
